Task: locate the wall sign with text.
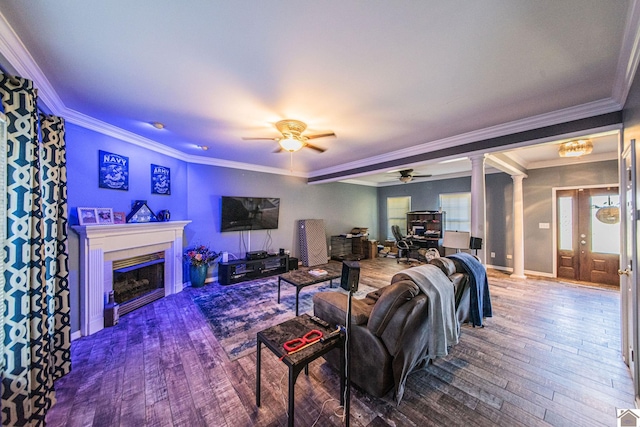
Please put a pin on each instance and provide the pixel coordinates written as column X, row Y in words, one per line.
column 114, row 171
column 160, row 180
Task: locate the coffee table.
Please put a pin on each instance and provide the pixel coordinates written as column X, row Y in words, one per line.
column 274, row 338
column 302, row 278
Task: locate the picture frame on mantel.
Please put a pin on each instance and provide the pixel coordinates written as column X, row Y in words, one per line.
column 119, row 218
column 87, row 216
column 105, row 215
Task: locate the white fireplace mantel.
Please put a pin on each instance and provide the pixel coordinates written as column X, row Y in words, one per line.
column 101, row 242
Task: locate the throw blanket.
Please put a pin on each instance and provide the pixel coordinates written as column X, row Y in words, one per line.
column 478, row 285
column 434, row 330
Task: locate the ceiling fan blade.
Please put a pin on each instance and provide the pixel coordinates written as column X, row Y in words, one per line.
column 320, row 135
column 256, row 139
column 422, row 176
column 278, row 150
column 315, row 147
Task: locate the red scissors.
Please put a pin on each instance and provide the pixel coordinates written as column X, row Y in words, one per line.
column 298, row 343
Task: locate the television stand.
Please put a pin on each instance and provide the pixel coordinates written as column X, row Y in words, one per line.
column 242, row 270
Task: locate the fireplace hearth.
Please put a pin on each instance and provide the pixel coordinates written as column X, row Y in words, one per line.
column 138, row 281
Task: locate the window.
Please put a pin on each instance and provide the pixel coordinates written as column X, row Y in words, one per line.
column 397, row 208
column 458, row 211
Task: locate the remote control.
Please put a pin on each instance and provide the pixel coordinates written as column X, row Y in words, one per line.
column 319, row 321
column 332, row 335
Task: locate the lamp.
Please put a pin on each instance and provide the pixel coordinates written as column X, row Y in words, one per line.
column 575, row 148
column 291, row 144
column 456, row 240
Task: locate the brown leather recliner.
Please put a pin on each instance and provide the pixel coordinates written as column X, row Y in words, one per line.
column 378, row 321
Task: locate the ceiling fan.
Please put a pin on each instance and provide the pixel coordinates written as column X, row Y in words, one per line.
column 406, row 175
column 292, row 138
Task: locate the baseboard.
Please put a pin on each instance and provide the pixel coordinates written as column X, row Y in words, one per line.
column 75, row 335
column 529, row 272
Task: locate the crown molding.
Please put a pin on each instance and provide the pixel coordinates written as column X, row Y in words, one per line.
column 19, row 57
column 578, row 112
column 629, row 55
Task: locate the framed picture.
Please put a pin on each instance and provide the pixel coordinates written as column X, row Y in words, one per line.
column 105, row 215
column 119, row 218
column 160, row 180
column 113, row 171
column 87, row 216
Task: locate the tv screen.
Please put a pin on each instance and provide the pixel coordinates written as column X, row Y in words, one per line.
column 249, row 213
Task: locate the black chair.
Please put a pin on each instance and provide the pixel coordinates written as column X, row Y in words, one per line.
column 404, row 244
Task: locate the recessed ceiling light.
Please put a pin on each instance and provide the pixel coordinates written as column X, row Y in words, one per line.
column 203, row 147
column 157, row 125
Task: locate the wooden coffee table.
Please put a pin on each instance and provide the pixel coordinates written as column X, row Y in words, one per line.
column 274, row 338
column 301, row 278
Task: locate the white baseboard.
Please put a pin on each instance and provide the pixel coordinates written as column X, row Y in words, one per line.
column 530, row 272
column 75, row 335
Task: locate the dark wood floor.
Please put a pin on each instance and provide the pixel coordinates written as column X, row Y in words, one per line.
column 549, row 356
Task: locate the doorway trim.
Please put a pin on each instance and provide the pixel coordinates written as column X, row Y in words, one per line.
column 554, row 216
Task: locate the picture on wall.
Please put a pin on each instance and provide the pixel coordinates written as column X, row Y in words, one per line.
column 87, row 216
column 114, row 171
column 160, row 180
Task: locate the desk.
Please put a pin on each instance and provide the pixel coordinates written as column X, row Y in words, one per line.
column 274, row 338
column 301, row 278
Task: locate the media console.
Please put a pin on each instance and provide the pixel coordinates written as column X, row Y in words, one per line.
column 241, row 270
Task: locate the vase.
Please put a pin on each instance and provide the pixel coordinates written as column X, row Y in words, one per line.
column 197, row 275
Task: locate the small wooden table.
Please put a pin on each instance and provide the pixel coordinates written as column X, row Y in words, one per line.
column 302, row 278
column 275, row 337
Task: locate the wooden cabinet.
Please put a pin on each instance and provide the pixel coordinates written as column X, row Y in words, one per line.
column 427, row 228
column 429, row 224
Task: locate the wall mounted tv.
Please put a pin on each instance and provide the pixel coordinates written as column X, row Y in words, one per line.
column 249, row 213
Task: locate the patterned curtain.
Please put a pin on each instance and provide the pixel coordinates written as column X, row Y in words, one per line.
column 36, row 296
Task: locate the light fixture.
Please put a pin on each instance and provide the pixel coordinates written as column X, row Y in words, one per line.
column 291, row 144
column 609, row 213
column 157, row 125
column 203, row 147
column 405, row 178
column 575, row 148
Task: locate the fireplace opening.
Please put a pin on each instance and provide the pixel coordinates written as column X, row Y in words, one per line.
column 138, row 281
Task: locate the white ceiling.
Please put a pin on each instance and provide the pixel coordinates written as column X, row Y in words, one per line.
column 387, row 78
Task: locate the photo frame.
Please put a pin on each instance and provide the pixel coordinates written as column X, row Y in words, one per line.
column 105, row 215
column 119, row 218
column 113, row 171
column 87, row 216
column 160, row 180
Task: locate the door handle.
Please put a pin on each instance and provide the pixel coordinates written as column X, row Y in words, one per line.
column 626, row 272
column 582, row 242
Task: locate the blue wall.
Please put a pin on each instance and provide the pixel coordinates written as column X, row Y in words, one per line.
column 195, row 195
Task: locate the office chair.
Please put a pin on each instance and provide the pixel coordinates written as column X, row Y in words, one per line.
column 405, row 245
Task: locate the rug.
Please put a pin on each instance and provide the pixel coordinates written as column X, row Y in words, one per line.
column 237, row 313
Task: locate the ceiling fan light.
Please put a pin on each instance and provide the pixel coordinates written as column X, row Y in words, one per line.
column 575, row 148
column 291, row 144
column 405, row 178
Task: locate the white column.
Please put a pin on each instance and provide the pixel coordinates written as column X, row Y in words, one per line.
column 518, row 228
column 478, row 204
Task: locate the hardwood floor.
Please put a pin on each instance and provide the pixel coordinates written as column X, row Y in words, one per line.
column 549, row 356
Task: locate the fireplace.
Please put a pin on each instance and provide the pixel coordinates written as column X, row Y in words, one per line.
column 102, row 246
column 138, row 281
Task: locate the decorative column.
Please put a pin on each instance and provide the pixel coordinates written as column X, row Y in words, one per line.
column 478, row 204
column 518, row 228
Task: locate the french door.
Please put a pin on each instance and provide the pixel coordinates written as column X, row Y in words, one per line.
column 589, row 235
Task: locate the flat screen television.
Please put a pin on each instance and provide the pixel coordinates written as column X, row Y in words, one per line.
column 249, row 213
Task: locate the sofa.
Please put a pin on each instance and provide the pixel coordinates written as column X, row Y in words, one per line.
column 394, row 329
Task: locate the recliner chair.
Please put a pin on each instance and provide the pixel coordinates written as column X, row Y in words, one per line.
column 405, row 245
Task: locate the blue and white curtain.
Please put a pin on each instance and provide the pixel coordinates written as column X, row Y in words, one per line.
column 34, row 315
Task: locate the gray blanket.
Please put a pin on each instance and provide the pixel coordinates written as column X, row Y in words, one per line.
column 435, row 330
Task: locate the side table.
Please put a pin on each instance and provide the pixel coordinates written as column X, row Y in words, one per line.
column 275, row 337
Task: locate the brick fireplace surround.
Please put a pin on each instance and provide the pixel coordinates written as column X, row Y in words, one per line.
column 100, row 245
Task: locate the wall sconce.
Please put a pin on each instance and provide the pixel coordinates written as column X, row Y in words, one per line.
column 575, row 148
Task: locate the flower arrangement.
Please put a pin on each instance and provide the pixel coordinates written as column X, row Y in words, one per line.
column 200, row 255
